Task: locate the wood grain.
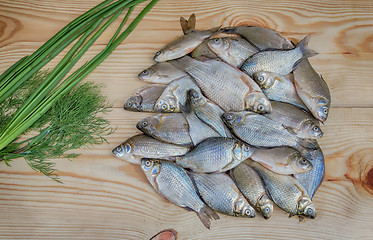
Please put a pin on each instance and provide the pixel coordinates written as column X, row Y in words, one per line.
column 105, row 198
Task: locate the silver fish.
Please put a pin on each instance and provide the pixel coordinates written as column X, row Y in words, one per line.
column 184, row 44
column 171, row 128
column 208, row 112
column 252, row 187
column 313, row 90
column 142, row 146
column 279, row 88
column 278, row 61
column 282, row 160
column 295, row 120
column 261, row 37
column 221, row 194
column 260, row 131
column 173, row 183
column 286, row 192
column 163, row 73
column 232, row 50
column 312, row 180
column 145, row 98
column 215, row 155
column 175, row 94
column 225, row 85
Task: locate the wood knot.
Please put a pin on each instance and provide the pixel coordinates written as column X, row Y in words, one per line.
column 360, row 169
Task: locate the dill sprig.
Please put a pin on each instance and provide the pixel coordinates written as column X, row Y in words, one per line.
column 75, row 121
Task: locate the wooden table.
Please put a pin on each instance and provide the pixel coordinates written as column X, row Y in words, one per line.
column 105, row 198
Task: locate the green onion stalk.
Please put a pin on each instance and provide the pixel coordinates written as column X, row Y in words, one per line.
column 84, row 30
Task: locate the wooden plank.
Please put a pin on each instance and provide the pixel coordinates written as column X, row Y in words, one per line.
column 105, row 198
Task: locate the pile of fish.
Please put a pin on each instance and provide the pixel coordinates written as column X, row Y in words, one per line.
column 237, row 120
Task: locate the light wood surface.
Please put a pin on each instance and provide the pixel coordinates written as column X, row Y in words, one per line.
column 105, row 198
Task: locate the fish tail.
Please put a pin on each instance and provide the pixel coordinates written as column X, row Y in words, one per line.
column 230, row 30
column 306, row 143
column 205, row 214
column 303, row 46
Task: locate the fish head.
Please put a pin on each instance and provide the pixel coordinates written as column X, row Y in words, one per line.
column 133, row 103
column 242, row 209
column 148, row 125
column 229, row 118
column 310, row 129
column 151, row 168
column 322, row 106
column 265, row 206
column 258, row 102
column 300, row 162
column 306, row 207
column 124, row 151
column 220, row 46
column 265, row 80
column 195, row 97
column 247, row 151
column 148, row 74
column 161, row 56
column 168, row 104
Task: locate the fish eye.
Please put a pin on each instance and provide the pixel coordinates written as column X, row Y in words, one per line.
column 246, row 148
column 247, row 212
column 164, row 106
column 145, row 72
column 129, row 104
column 266, row 210
column 144, row 123
column 147, row 163
column 229, row 117
column 315, row 128
column 119, row 149
column 158, row 53
column 303, row 161
column 216, row 40
column 309, row 211
column 260, row 107
column 325, row 111
column 260, row 78
column 195, row 94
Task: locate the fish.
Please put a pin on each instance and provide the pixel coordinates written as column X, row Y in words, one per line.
column 145, row 98
column 282, row 160
column 225, row 85
column 313, row 90
column 262, row 38
column 163, row 73
column 220, row 193
column 170, row 128
column 198, row 130
column 232, row 50
column 185, row 43
column 173, row 182
column 260, row 131
column 295, row 120
column 279, row 88
column 278, row 61
column 208, row 112
column 215, row 155
column 312, row 180
column 286, row 192
column 141, row 146
column 252, row 187
column 174, row 95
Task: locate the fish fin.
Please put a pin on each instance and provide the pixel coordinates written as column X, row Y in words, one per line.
column 187, row 108
column 184, row 25
column 192, row 22
column 170, row 158
column 307, row 52
column 205, row 214
column 306, row 143
column 291, row 215
column 290, row 129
